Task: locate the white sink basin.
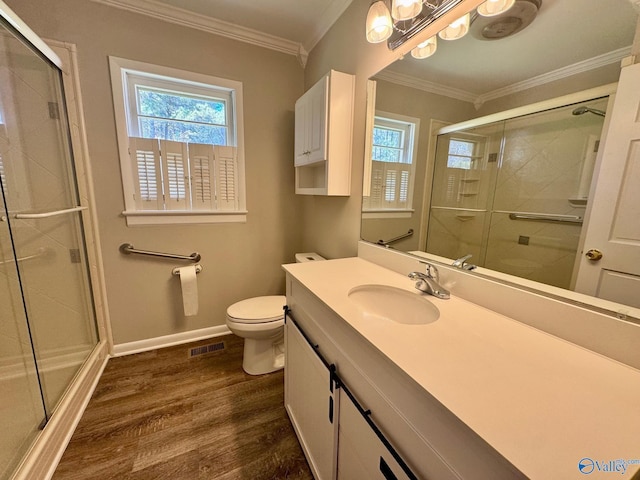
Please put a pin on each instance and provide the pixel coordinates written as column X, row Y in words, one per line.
column 395, row 304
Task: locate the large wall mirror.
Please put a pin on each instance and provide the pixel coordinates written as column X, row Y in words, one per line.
column 513, row 191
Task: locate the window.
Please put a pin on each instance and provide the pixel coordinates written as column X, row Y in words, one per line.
column 393, row 150
column 180, row 141
column 461, row 154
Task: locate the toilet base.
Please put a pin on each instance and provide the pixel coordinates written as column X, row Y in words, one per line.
column 263, row 356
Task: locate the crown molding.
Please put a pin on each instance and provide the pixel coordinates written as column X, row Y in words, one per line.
column 426, row 86
column 330, row 15
column 564, row 72
column 208, row 24
column 478, row 100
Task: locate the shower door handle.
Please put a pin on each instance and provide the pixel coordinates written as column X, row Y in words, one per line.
column 593, row 255
column 53, row 213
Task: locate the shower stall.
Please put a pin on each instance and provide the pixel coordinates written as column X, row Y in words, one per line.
column 47, row 315
column 513, row 193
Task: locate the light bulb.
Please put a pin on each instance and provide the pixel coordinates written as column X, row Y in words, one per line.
column 405, row 9
column 426, row 48
column 491, row 8
column 379, row 24
column 455, row 30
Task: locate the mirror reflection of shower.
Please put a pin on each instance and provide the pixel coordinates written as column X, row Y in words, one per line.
column 584, row 109
column 514, row 193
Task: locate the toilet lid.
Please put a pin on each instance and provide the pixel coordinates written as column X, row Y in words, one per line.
column 258, row 309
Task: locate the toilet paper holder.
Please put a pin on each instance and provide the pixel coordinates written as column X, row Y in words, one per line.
column 176, row 270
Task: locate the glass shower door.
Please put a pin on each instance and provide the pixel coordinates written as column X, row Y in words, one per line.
column 21, row 404
column 47, row 317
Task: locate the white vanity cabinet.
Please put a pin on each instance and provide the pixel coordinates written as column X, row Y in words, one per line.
column 323, row 136
column 430, row 441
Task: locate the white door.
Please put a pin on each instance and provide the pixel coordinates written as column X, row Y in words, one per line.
column 614, row 221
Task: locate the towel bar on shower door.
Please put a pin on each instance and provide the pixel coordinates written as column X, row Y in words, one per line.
column 127, row 248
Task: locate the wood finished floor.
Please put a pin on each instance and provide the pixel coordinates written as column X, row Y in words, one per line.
column 162, row 415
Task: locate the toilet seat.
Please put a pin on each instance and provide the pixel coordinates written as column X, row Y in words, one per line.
column 258, row 309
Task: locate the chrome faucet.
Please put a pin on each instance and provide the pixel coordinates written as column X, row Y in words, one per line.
column 428, row 282
column 462, row 264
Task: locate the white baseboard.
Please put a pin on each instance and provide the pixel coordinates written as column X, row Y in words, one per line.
column 42, row 459
column 168, row 340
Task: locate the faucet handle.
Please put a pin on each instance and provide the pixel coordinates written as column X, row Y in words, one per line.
column 432, row 272
column 461, row 261
column 462, row 264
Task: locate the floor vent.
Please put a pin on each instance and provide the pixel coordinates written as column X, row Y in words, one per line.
column 204, row 349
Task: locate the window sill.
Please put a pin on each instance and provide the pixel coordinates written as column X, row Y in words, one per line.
column 388, row 213
column 164, row 217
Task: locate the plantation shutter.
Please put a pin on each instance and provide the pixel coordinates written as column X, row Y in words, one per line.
column 184, row 176
column 174, row 172
column 226, row 177
column 145, row 162
column 201, row 164
column 389, row 185
column 377, row 184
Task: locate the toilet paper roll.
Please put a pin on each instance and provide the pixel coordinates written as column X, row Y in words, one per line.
column 189, row 286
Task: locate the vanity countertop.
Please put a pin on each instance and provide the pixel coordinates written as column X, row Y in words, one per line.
column 542, row 402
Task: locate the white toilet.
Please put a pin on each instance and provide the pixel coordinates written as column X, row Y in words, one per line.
column 260, row 321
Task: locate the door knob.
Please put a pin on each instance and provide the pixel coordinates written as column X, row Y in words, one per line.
column 593, row 255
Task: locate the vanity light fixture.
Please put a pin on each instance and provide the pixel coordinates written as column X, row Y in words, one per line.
column 491, row 8
column 456, row 29
column 399, row 20
column 426, row 48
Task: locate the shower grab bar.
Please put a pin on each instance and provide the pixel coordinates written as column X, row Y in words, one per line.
column 127, row 249
column 386, row 243
column 40, row 253
column 546, row 218
column 53, row 213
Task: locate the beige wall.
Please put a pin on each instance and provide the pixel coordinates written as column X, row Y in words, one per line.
column 239, row 260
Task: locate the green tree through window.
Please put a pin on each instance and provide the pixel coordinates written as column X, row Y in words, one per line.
column 181, row 118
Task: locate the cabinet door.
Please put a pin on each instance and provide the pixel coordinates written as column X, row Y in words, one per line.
column 311, row 125
column 311, row 404
column 318, row 117
column 361, row 453
column 301, row 131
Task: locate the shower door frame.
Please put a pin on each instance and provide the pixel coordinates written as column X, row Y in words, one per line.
column 48, row 447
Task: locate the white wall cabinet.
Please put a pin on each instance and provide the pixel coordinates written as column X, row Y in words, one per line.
column 311, row 404
column 324, row 136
